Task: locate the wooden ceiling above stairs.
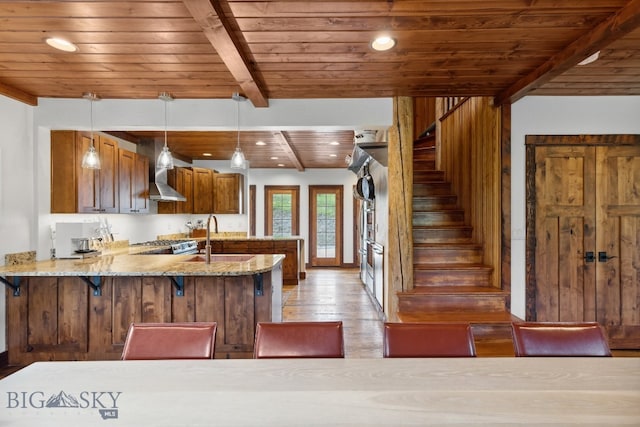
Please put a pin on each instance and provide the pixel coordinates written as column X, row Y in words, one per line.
column 451, row 284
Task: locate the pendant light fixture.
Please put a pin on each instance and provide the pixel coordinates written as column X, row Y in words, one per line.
column 165, row 159
column 90, row 159
column 237, row 160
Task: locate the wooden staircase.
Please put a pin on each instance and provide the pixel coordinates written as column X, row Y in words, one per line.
column 451, row 284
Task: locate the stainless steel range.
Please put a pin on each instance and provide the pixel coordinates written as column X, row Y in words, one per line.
column 175, row 247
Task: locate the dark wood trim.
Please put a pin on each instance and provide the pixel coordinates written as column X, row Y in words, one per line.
column 591, row 140
column 530, row 250
column 252, row 210
column 505, row 144
column 4, row 359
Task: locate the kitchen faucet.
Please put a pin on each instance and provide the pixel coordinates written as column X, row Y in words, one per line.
column 207, row 247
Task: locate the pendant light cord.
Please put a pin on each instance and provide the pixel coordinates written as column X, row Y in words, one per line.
column 238, row 121
column 165, row 122
column 91, row 118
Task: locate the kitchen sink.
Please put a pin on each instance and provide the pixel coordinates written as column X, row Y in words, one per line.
column 220, row 258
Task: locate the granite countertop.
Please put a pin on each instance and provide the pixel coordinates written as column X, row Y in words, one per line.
column 119, row 262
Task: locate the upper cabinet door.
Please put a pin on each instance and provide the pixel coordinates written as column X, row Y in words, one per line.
column 109, row 179
column 228, row 188
column 202, row 191
column 133, row 171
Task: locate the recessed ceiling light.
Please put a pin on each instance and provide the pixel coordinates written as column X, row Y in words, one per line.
column 280, row 165
column 261, row 143
column 383, row 43
column 333, row 155
column 590, row 59
column 274, row 158
column 206, row 154
column 61, row 44
column 334, row 143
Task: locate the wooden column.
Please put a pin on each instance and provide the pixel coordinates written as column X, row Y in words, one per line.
column 400, row 252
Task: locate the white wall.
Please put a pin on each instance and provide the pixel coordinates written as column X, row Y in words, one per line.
column 556, row 116
column 262, row 177
column 17, row 195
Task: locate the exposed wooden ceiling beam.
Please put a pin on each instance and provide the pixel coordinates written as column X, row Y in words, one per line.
column 18, row 94
column 211, row 18
column 288, row 148
column 618, row 25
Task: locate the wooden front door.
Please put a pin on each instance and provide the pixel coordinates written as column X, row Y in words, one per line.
column 587, row 236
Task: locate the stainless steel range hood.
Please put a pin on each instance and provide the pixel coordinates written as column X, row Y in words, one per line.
column 159, row 190
column 364, row 151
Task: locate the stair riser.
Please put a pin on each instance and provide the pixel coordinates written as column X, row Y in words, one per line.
column 424, row 164
column 412, row 303
column 480, row 278
column 438, row 218
column 432, row 189
column 439, row 235
column 434, row 203
column 428, row 256
column 425, row 176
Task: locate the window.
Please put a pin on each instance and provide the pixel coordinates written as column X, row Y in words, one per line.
column 281, row 206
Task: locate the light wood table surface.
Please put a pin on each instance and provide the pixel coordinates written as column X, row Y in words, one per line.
column 332, row 392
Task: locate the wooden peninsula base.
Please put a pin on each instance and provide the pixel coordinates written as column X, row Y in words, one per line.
column 59, row 318
column 74, row 317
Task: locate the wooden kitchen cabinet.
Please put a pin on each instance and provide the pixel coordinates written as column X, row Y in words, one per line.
column 78, row 190
column 290, row 264
column 133, row 170
column 229, row 193
column 181, row 179
column 202, row 190
column 287, row 247
column 59, row 318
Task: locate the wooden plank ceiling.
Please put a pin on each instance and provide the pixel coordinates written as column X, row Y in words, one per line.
column 265, row 50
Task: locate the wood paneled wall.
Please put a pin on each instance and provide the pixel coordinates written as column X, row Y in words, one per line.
column 424, row 114
column 470, row 152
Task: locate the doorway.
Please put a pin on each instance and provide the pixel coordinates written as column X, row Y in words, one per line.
column 583, row 228
column 325, row 225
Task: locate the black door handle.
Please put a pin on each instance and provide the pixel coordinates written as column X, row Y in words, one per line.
column 590, row 257
column 602, row 257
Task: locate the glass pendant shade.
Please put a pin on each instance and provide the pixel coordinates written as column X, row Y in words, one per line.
column 237, row 160
column 165, row 159
column 91, row 160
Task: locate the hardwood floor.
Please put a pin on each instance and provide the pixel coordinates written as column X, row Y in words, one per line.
column 337, row 294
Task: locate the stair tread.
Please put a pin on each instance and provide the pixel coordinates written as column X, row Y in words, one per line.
column 453, row 266
column 452, row 290
column 447, row 246
column 440, row 210
column 460, row 316
column 445, row 226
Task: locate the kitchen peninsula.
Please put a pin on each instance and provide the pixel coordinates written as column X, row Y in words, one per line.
column 80, row 309
column 293, row 266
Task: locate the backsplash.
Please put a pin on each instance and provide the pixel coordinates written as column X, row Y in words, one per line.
column 20, row 258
